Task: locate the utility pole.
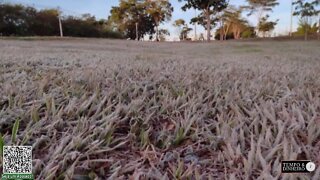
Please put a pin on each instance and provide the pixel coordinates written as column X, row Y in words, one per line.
column 60, row 23
column 60, row 26
column 290, row 34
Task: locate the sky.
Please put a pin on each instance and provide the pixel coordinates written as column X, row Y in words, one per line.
column 101, row 9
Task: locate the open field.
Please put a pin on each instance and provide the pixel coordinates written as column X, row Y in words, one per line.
column 98, row 109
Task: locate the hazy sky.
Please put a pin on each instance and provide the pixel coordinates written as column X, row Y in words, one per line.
column 101, row 9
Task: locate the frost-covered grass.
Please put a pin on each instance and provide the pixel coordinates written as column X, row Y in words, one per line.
column 117, row 109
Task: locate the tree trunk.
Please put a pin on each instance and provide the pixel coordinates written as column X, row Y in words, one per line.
column 137, row 32
column 183, row 36
column 226, row 32
column 238, row 34
column 221, row 34
column 306, row 33
column 208, row 24
column 221, row 30
column 319, row 30
column 157, row 32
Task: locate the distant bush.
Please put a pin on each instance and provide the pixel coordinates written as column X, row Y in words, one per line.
column 18, row 20
column 248, row 33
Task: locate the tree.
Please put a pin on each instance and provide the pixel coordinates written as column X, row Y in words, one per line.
column 180, row 23
column 184, row 33
column 234, row 27
column 18, row 20
column 15, row 20
column 259, row 8
column 232, row 21
column 265, row 26
column 183, row 28
column 222, row 19
column 146, row 14
column 201, row 20
column 162, row 34
column 208, row 7
column 46, row 23
column 160, row 11
column 86, row 26
column 306, row 10
column 312, row 29
column 238, row 24
column 129, row 12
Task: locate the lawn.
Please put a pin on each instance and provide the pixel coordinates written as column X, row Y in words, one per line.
column 98, row 109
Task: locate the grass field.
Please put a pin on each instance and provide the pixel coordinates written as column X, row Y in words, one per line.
column 98, row 109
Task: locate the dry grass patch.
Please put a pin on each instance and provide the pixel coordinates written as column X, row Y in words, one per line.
column 175, row 118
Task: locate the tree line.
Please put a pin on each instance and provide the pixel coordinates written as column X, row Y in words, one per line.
column 138, row 19
column 19, row 20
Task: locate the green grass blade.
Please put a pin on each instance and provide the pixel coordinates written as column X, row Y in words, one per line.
column 1, row 144
column 15, row 131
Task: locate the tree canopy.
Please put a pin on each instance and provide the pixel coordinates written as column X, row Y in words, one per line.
column 305, row 10
column 18, row 20
column 183, row 28
column 234, row 22
column 301, row 30
column 207, row 8
column 143, row 16
column 258, row 6
column 234, row 25
column 266, row 26
column 128, row 15
column 160, row 11
column 260, row 9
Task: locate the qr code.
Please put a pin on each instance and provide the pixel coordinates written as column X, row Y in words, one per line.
column 17, row 159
